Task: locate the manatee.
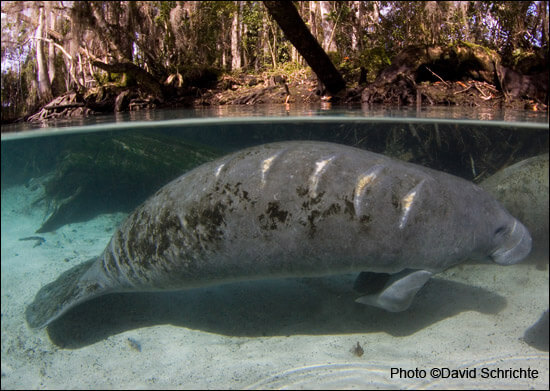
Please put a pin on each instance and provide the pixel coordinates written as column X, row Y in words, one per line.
column 295, row 209
column 522, row 189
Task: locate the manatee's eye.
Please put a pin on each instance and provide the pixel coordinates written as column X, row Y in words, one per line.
column 500, row 230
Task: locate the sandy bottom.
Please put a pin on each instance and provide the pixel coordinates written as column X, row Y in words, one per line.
column 292, row 333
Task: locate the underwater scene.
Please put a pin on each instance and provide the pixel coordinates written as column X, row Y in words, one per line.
column 269, row 249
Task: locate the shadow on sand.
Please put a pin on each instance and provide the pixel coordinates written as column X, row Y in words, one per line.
column 268, row 308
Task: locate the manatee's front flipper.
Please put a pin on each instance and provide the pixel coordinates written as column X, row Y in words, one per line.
column 76, row 285
column 398, row 293
column 369, row 283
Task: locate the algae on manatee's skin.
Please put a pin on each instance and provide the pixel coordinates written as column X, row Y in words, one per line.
column 103, row 172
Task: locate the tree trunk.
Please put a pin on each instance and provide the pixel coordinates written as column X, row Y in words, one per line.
column 272, row 47
column 296, row 31
column 44, row 85
column 357, row 19
column 50, row 19
column 265, row 40
column 327, row 26
column 543, row 5
column 221, row 45
column 313, row 6
column 236, row 38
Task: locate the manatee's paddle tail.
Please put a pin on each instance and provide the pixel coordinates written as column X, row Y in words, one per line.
column 59, row 296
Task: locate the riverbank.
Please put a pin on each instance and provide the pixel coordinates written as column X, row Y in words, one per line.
column 295, row 87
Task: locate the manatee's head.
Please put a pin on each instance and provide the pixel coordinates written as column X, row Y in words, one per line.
column 511, row 242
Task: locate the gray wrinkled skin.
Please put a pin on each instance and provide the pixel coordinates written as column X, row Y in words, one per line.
column 522, row 189
column 296, row 209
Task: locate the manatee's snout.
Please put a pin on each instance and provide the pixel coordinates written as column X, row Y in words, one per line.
column 515, row 244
